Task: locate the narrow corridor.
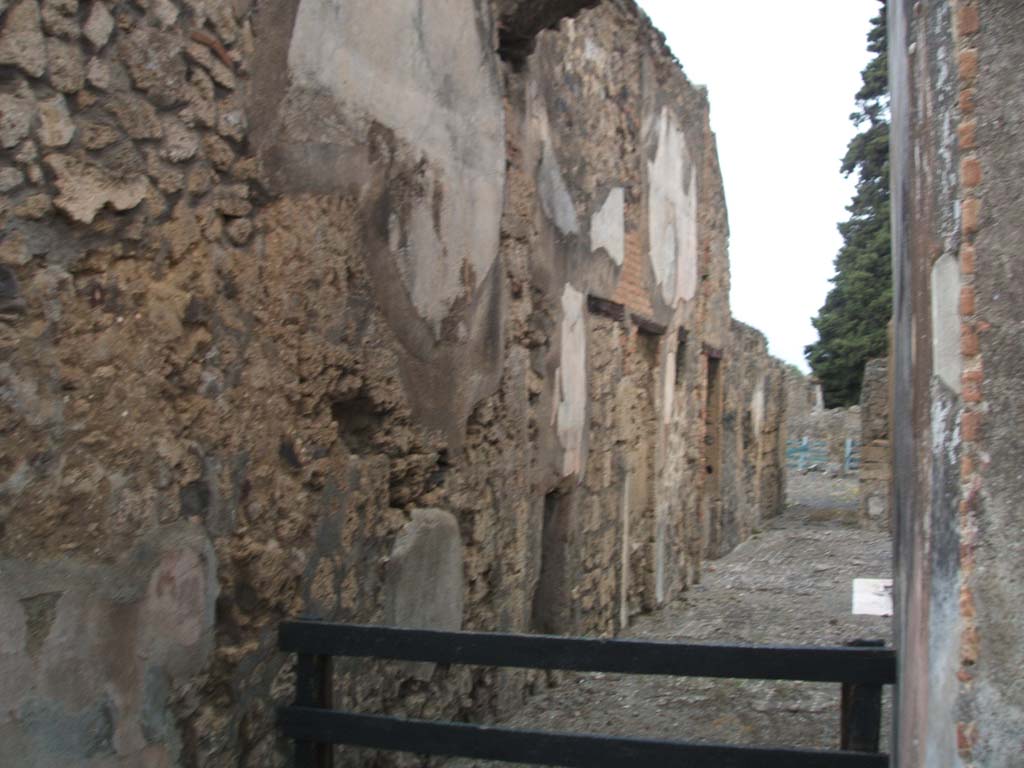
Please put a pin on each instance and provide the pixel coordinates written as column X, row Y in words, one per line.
column 788, row 585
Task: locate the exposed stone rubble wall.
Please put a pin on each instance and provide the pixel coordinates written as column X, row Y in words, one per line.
column 753, row 465
column 957, row 74
column 288, row 321
column 875, row 473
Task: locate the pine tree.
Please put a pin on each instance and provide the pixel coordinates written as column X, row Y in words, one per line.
column 852, row 324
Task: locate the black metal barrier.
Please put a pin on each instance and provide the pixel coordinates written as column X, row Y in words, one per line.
column 862, row 668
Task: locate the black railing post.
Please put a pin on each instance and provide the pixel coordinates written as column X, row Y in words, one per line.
column 314, row 687
column 860, row 723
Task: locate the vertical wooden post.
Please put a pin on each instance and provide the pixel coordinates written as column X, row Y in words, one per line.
column 860, row 723
column 313, row 688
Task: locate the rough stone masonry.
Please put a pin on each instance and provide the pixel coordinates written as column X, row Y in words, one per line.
column 325, row 307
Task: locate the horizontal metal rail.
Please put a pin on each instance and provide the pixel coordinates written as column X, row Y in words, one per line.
column 811, row 664
column 306, row 724
column 315, row 726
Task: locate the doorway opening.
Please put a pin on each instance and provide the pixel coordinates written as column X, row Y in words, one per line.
column 552, row 605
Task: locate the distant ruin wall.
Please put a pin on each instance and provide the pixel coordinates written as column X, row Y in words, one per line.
column 288, row 321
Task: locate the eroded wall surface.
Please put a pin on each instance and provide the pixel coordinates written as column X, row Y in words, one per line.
column 957, row 148
column 291, row 324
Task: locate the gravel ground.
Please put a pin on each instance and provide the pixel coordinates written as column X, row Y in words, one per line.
column 789, row 585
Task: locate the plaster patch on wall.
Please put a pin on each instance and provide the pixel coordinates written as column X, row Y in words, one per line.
column 757, row 405
column 420, row 74
column 672, row 211
column 555, row 199
column 945, row 294
column 608, row 226
column 424, row 587
column 571, row 381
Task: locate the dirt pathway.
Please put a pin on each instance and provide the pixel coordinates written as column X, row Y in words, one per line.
column 788, row 585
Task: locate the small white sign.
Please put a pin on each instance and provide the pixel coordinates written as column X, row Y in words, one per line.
column 872, row 597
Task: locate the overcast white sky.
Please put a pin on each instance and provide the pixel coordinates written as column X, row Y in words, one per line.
column 781, row 80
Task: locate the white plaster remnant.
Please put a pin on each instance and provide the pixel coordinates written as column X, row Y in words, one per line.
column 945, row 284
column 424, row 586
column 420, row 74
column 555, row 199
column 757, row 407
column 608, row 226
column 672, row 211
column 571, row 381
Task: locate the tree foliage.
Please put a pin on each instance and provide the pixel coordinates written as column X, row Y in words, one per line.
column 852, row 324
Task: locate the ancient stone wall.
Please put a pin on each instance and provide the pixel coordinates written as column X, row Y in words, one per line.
column 753, row 447
column 807, row 417
column 957, row 72
column 804, row 403
column 875, row 461
column 292, row 325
